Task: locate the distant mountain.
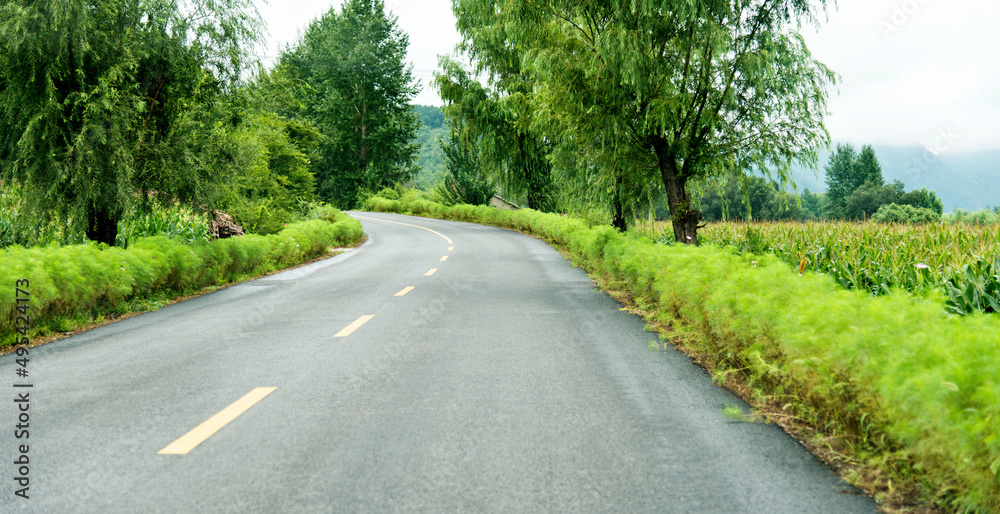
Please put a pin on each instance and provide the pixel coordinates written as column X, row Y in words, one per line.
column 969, row 181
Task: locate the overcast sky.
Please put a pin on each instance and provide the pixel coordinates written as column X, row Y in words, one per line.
column 912, row 71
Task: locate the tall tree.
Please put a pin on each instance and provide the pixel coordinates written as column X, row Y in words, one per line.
column 464, row 182
column 868, row 169
column 107, row 101
column 840, row 179
column 846, row 173
column 497, row 116
column 700, row 87
column 355, row 63
column 497, row 122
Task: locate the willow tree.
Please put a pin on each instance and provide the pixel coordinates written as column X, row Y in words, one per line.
column 699, row 87
column 497, row 118
column 495, row 124
column 355, row 63
column 464, row 181
column 105, row 101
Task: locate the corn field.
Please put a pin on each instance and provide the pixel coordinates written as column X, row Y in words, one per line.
column 961, row 261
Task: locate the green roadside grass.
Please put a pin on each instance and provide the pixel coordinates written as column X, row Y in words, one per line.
column 79, row 285
column 901, row 396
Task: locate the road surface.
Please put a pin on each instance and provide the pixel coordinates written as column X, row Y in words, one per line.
column 441, row 367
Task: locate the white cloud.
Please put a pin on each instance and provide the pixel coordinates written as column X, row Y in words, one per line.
column 912, row 68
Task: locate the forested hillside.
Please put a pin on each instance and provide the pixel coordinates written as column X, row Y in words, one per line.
column 430, row 159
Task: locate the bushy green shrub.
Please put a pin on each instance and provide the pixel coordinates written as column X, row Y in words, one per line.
column 260, row 216
column 77, row 279
column 906, row 387
column 379, row 204
column 895, row 213
column 325, row 212
column 980, row 217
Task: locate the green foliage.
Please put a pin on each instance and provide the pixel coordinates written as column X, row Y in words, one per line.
column 840, row 180
column 895, row 213
column 463, row 183
column 10, row 207
column 893, row 382
column 174, row 221
column 856, row 189
column 360, row 88
column 866, row 200
column 876, row 258
column 743, row 198
column 75, row 280
column 431, row 117
column 177, row 223
column 107, row 101
column 327, row 213
column 923, row 199
column 261, row 159
column 847, row 173
column 496, row 120
column 270, row 159
column 867, row 169
column 430, row 158
column 812, row 204
column 678, row 91
column 980, row 217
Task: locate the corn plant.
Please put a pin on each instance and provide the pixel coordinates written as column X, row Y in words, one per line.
column 976, row 287
column 956, row 259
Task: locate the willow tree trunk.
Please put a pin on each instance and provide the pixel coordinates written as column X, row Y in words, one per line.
column 102, row 227
column 619, row 221
column 683, row 216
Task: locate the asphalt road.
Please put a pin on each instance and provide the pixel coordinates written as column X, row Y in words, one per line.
column 501, row 382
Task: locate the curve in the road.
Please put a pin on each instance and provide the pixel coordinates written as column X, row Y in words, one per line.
column 506, row 384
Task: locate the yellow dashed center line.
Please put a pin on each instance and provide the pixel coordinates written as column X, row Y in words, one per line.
column 451, row 248
column 431, row 272
column 408, row 225
column 404, row 291
column 198, row 434
column 349, row 329
column 444, row 258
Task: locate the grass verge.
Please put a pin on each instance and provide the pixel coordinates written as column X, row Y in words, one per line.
column 87, row 285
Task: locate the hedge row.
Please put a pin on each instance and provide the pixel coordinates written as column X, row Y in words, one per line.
column 911, row 392
column 74, row 280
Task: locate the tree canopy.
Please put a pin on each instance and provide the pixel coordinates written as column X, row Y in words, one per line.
column 846, row 173
column 496, row 122
column 106, row 102
column 360, row 89
column 684, row 89
column 464, row 182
